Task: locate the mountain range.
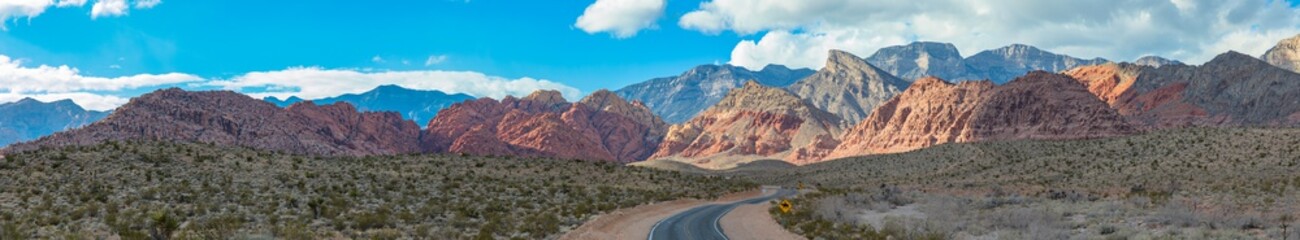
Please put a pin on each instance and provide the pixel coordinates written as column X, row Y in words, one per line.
column 417, row 105
column 29, row 119
column 942, row 60
column 850, row 107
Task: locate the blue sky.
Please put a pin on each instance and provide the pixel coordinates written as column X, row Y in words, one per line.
column 227, row 38
column 100, row 55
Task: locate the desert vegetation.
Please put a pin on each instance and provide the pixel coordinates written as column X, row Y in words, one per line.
column 1177, row 184
column 154, row 190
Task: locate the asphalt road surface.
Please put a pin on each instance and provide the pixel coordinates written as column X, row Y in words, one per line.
column 701, row 222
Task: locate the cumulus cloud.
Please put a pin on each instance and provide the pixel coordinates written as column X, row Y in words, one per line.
column 21, row 9
column 621, row 18
column 49, row 83
column 108, row 8
column 314, row 83
column 14, row 9
column 799, row 33
column 15, row 78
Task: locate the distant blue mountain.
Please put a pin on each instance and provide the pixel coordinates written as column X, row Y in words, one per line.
column 29, row 119
column 417, row 105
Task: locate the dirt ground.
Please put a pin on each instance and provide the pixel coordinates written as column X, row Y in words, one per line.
column 635, row 223
column 753, row 222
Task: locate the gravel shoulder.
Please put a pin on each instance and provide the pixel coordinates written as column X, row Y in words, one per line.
column 752, row 221
column 635, row 223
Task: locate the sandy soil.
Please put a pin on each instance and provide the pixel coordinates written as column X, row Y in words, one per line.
column 753, row 222
column 635, row 223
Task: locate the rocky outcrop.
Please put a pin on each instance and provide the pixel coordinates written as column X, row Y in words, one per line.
column 416, row 105
column 543, row 124
column 1285, row 55
column 754, row 122
column 848, row 87
column 921, row 59
column 1233, row 89
column 679, row 98
column 229, row 118
column 29, row 119
column 1039, row 105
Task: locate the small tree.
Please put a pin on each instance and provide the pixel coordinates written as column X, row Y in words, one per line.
column 161, row 225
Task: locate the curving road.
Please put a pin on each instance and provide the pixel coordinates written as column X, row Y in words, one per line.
column 702, row 222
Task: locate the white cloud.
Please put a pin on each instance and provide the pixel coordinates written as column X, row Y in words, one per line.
column 21, row 9
column 89, row 101
column 146, row 4
column 50, row 83
column 435, row 60
column 377, row 59
column 313, row 83
column 622, row 18
column 15, row 78
column 798, row 33
column 108, row 8
column 71, row 3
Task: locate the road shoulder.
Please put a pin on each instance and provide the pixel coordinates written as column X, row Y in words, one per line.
column 751, row 221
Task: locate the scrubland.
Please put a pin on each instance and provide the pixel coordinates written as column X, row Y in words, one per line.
column 154, row 190
column 1175, row 184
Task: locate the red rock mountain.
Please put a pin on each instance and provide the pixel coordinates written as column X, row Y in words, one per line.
column 1233, row 89
column 753, row 122
column 229, row 118
column 1039, row 105
column 600, row 127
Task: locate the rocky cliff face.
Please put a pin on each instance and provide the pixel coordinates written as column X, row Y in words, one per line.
column 229, row 118
column 753, row 122
column 681, row 97
column 415, row 105
column 1039, row 105
column 543, row 124
column 1231, row 90
column 29, row 119
column 848, row 87
column 921, row 59
column 1285, row 55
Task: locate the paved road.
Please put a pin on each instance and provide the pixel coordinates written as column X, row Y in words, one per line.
column 701, row 222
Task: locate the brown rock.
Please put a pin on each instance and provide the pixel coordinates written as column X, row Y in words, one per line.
column 1039, row 105
column 229, row 118
column 1231, row 90
column 754, row 122
column 600, row 127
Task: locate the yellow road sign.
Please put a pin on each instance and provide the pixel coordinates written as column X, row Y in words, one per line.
column 786, row 206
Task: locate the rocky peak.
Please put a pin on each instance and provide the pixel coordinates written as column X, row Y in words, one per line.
column 1285, row 55
column 1156, row 61
column 839, row 61
column 848, row 86
column 1231, row 58
column 546, row 96
column 756, row 97
column 920, row 59
column 605, row 100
